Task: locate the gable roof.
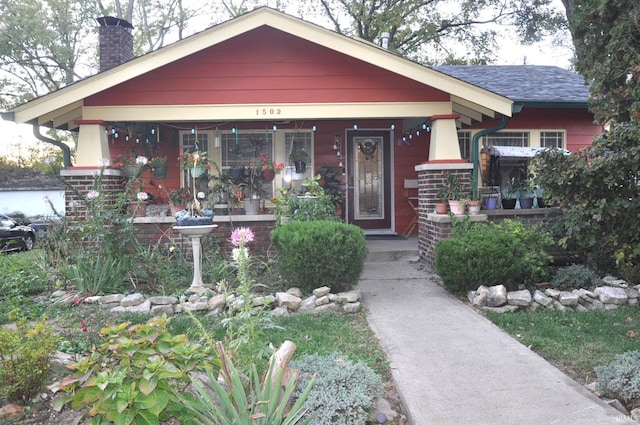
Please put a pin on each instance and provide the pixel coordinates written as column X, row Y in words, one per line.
column 61, row 108
column 528, row 84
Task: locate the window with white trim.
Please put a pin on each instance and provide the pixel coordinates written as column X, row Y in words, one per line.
column 241, row 148
column 552, row 139
column 507, row 138
column 464, row 140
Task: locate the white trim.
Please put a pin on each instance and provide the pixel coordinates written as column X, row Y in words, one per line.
column 444, row 166
column 358, row 49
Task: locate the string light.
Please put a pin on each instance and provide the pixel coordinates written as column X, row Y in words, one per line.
column 393, row 126
column 314, row 128
column 355, row 126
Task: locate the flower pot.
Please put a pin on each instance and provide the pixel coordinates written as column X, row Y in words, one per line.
column 474, row 207
column 221, row 209
column 129, row 170
column 236, row 175
column 252, row 206
column 267, row 175
column 194, row 221
column 457, row 207
column 526, row 203
column 160, row 172
column 491, row 203
column 139, row 209
column 301, row 166
column 540, row 202
column 197, row 172
column 441, row 208
column 509, row 203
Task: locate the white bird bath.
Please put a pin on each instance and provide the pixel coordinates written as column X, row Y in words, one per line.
column 195, row 233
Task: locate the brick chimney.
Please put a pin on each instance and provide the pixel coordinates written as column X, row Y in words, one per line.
column 116, row 42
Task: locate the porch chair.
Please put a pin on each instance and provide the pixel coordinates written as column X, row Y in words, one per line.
column 411, row 188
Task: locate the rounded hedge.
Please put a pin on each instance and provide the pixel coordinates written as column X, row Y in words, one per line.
column 312, row 254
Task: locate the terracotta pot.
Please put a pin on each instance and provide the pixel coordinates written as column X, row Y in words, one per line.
column 138, row 208
column 457, row 207
column 441, row 208
column 474, row 207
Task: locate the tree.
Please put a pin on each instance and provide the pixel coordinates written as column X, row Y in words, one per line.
column 606, row 36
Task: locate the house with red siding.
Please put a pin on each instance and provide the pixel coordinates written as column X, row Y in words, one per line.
column 269, row 83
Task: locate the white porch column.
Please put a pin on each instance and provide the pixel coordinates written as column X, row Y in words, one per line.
column 93, row 144
column 444, row 138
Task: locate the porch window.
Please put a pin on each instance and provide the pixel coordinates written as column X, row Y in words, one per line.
column 507, row 138
column 241, row 148
column 552, row 139
column 464, row 139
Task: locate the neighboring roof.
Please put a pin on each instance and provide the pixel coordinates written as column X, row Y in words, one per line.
column 60, row 109
column 27, row 179
column 515, row 151
column 524, row 83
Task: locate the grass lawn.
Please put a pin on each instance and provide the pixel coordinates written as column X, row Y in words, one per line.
column 575, row 342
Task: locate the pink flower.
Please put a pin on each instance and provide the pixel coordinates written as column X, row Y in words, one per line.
column 84, row 329
column 82, row 323
column 242, row 235
column 76, row 300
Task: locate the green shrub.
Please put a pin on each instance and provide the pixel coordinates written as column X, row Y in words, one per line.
column 136, row 374
column 573, row 277
column 320, row 207
column 509, row 254
column 24, row 359
column 96, row 275
column 317, row 253
column 344, row 392
column 23, row 275
column 621, row 378
column 483, row 256
column 263, row 403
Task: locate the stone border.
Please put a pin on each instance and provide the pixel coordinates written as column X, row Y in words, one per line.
column 614, row 293
column 280, row 303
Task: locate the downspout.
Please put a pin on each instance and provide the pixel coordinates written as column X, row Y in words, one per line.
column 475, row 145
column 66, row 151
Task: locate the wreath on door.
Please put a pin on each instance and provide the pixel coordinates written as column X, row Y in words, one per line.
column 368, row 148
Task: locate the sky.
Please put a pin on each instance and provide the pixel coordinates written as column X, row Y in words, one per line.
column 511, row 53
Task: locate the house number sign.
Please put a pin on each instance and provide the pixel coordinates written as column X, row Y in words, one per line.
column 268, row 111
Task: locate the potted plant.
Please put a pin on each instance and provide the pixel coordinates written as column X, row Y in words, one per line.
column 178, row 199
column 139, row 204
column 158, row 166
column 454, row 193
column 197, row 163
column 441, row 207
column 299, row 158
column 475, row 202
column 222, row 191
column 130, row 164
column 268, row 168
column 526, row 190
column 509, row 191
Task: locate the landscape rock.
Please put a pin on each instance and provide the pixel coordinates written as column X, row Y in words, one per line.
column 163, row 300
column 322, row 291
column 568, row 298
column 497, row 296
column 132, row 300
column 331, row 307
column 160, row 309
column 285, row 299
column 615, row 403
column 111, row 299
column 521, row 298
column 542, row 299
column 308, row 304
column 280, row 311
column 322, row 300
column 348, row 297
column 615, row 282
column 502, row 309
column 296, row 292
column 351, row 307
column 553, row 293
column 611, row 295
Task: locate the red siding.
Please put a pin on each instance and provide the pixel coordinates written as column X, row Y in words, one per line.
column 266, row 66
column 578, row 123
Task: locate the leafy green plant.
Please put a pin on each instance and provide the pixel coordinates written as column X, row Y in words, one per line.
column 597, row 189
column 136, row 374
column 23, row 276
column 317, row 253
column 573, row 277
column 263, row 403
column 344, row 392
column 25, row 354
column 621, row 378
column 95, row 275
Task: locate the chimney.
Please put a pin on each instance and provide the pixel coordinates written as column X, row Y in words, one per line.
column 385, row 40
column 116, row 42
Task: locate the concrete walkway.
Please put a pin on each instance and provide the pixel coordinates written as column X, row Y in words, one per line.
column 453, row 366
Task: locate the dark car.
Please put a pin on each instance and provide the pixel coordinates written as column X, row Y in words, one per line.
column 14, row 236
